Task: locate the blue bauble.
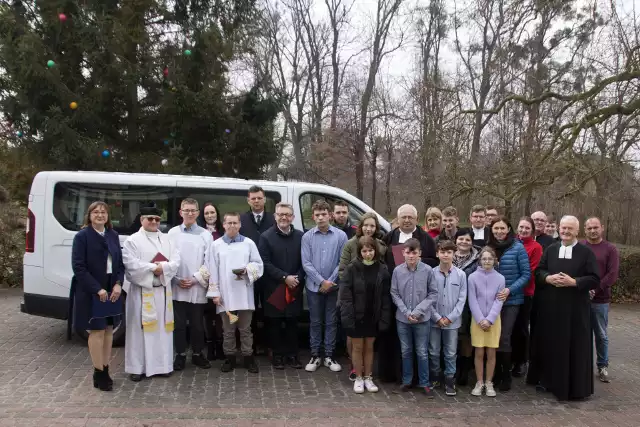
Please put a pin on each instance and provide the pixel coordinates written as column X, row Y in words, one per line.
column 106, row 153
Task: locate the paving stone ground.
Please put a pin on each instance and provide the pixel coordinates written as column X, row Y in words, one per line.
column 45, row 380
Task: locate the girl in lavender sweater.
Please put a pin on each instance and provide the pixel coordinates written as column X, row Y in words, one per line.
column 483, row 288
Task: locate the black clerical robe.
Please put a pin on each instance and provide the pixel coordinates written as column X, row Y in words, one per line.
column 562, row 347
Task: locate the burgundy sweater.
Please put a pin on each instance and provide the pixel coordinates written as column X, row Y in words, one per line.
column 609, row 264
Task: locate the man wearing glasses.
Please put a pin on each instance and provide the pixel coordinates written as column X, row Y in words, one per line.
column 151, row 262
column 190, row 285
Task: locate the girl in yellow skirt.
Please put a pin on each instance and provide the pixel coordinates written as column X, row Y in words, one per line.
column 483, row 288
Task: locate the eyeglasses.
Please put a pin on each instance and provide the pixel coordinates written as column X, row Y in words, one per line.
column 190, row 211
column 284, row 215
column 153, row 219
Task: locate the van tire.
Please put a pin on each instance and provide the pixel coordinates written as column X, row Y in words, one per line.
column 118, row 334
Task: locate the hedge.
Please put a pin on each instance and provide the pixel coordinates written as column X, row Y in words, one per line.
column 627, row 288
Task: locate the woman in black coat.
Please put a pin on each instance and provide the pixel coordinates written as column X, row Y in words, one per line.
column 365, row 309
column 98, row 273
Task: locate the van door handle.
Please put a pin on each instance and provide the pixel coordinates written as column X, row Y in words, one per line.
column 67, row 242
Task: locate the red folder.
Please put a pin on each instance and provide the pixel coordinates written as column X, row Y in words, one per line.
column 398, row 254
column 281, row 297
column 159, row 258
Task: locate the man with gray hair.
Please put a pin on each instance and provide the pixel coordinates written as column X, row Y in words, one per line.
column 540, row 222
column 562, row 347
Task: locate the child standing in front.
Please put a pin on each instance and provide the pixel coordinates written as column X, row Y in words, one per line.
column 484, row 286
column 365, row 308
column 446, row 316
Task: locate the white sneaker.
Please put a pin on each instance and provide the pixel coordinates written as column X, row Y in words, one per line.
column 358, row 385
column 332, row 364
column 489, row 390
column 313, row 364
column 369, row 385
column 477, row 390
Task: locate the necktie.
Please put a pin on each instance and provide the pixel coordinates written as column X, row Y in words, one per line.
column 258, row 219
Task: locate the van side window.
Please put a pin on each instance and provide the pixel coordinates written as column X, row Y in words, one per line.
column 71, row 200
column 308, row 199
column 225, row 200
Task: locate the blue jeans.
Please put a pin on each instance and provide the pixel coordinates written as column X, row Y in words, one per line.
column 599, row 323
column 439, row 339
column 414, row 336
column 322, row 311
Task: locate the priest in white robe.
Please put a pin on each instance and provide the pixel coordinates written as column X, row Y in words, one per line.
column 234, row 264
column 190, row 286
column 151, row 262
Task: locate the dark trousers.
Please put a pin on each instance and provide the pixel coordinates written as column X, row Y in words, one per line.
column 520, row 337
column 184, row 312
column 212, row 323
column 283, row 335
column 259, row 337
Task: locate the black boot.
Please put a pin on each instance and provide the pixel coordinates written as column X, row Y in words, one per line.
column 100, row 380
column 497, row 372
column 464, row 366
column 251, row 365
column 229, row 364
column 505, row 385
column 211, row 350
column 106, row 374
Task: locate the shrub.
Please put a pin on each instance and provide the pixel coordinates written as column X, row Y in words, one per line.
column 12, row 230
column 627, row 288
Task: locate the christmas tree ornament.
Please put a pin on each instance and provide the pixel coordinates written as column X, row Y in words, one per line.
column 187, row 52
column 165, row 72
column 73, row 105
column 106, row 153
column 62, row 17
column 51, row 63
column 166, row 142
column 19, row 134
column 227, row 130
column 165, row 162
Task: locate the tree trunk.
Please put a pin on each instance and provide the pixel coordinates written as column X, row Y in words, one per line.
column 374, row 176
column 387, row 183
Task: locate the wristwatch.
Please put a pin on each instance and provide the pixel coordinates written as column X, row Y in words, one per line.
column 284, row 278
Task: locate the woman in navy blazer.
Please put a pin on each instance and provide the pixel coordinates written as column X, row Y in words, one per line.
column 98, row 274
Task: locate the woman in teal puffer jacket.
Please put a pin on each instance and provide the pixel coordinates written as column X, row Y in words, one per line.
column 513, row 264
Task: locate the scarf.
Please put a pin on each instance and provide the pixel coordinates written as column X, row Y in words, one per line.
column 149, row 309
column 501, row 247
column 461, row 260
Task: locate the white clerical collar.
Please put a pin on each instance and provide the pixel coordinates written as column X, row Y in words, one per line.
column 405, row 236
column 566, row 252
column 478, row 233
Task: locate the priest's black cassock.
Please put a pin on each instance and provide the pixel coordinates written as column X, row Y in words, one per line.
column 562, row 347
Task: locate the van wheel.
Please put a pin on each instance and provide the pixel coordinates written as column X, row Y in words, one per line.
column 118, row 332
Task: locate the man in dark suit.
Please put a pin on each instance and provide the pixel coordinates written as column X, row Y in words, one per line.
column 388, row 344
column 481, row 232
column 253, row 223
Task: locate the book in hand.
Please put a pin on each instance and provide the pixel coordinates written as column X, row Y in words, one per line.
column 281, row 297
column 398, row 254
column 100, row 310
column 159, row 258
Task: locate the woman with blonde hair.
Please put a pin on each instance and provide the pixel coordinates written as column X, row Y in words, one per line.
column 433, row 222
column 98, row 273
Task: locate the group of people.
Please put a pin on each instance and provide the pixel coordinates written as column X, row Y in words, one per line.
column 432, row 302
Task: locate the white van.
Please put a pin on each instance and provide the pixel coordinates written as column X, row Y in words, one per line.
column 58, row 201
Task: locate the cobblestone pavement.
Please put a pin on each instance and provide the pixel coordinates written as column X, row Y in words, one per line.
column 45, row 381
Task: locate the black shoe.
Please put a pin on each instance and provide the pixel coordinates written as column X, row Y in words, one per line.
column 211, row 351
column 100, row 380
column 179, row 362
column 497, row 373
column 278, row 362
column 200, row 361
column 250, row 364
column 106, row 374
column 219, row 351
column 450, row 386
column 428, row 392
column 519, row 370
column 294, row 362
column 229, row 364
column 136, row 377
column 402, row 389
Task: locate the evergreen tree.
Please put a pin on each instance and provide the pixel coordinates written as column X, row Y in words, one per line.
column 140, row 80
